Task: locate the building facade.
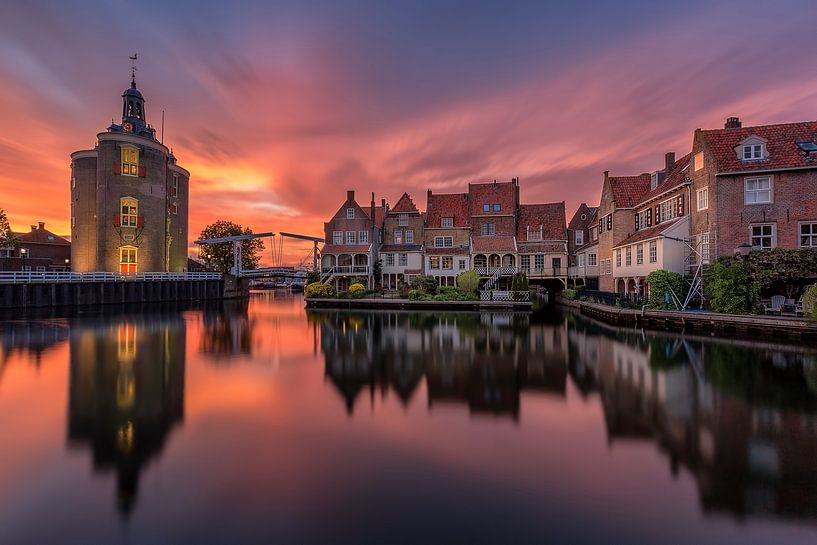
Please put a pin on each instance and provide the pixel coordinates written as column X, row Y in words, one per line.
column 38, row 250
column 541, row 241
column 581, row 232
column 447, row 239
column 129, row 199
column 352, row 243
column 401, row 255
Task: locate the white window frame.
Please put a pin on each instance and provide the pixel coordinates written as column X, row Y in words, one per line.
column 639, row 254
column 628, row 256
column 351, row 237
column 581, row 260
column 487, row 229
column 409, row 236
column 702, row 198
column 444, row 242
column 402, row 220
column 434, row 262
column 773, row 235
column 131, row 217
column 389, row 260
column 653, row 251
column 578, row 238
column 447, row 222
column 174, row 186
column 592, row 260
column 447, row 262
column 756, row 191
column 337, row 237
column 524, row 262
column 618, row 258
column 402, row 260
column 398, row 236
column 811, row 235
column 363, row 237
column 755, row 152
column 463, row 263
column 350, row 213
column 129, row 156
column 706, row 248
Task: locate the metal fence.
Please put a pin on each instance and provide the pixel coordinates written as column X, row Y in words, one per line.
column 611, row 298
column 29, row 277
column 500, row 295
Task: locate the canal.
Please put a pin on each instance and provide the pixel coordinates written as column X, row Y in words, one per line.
column 260, row 422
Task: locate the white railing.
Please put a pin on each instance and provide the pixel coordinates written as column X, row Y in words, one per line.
column 583, row 271
column 347, row 269
column 498, row 271
column 29, row 277
column 499, row 295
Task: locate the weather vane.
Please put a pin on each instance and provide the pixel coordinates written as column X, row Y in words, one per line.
column 133, row 59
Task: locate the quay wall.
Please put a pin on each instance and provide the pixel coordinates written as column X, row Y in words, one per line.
column 406, row 304
column 57, row 294
column 699, row 323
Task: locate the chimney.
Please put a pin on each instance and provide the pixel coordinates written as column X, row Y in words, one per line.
column 33, row 227
column 41, row 224
column 732, row 123
column 372, row 207
column 350, row 195
column 669, row 161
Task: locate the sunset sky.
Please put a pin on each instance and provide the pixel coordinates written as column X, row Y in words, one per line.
column 276, row 108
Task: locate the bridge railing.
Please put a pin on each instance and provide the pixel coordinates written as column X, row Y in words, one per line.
column 31, row 277
column 347, row 269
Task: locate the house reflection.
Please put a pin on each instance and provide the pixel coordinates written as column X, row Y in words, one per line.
column 126, row 392
column 482, row 361
column 740, row 417
column 31, row 338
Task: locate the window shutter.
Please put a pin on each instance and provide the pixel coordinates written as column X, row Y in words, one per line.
column 681, row 204
column 636, row 221
column 117, row 220
column 609, row 222
column 141, row 171
column 140, row 221
column 117, row 167
column 649, row 217
column 657, row 214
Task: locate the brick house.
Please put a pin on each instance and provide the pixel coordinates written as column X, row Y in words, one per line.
column 38, row 250
column 447, row 236
column 754, row 187
column 401, row 255
column 352, row 240
column 579, row 231
column 541, row 240
column 493, row 209
column 657, row 238
column 616, row 217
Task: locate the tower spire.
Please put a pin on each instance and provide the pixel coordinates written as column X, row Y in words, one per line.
column 133, row 59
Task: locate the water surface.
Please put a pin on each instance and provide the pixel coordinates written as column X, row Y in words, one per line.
column 262, row 422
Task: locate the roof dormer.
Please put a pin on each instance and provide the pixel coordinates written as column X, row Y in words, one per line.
column 752, row 148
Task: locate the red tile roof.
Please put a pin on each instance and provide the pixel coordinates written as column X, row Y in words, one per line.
column 628, row 190
column 542, row 247
column 651, row 232
column 550, row 216
column 447, row 205
column 493, row 244
column 675, row 178
column 41, row 235
column 431, row 250
column 506, row 194
column 576, row 222
column 404, row 205
column 781, row 146
column 379, row 214
column 345, row 248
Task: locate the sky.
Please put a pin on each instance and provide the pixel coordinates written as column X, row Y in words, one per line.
column 277, row 108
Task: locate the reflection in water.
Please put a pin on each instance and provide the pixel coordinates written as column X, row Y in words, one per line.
column 126, row 392
column 483, row 360
column 32, row 338
column 740, row 416
column 228, row 330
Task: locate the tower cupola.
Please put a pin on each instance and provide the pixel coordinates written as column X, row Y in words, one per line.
column 133, row 107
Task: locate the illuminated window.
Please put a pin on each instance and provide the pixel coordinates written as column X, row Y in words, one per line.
column 130, row 161
column 434, row 262
column 699, row 161
column 448, row 262
column 126, row 347
column 129, row 209
column 127, row 259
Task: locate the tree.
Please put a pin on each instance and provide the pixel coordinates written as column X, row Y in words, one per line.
column 468, row 281
column 220, row 256
column 7, row 238
column 663, row 284
column 730, row 287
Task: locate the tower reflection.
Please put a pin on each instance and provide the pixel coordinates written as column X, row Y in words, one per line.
column 126, row 392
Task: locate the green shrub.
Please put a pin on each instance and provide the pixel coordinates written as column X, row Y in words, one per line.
column 468, row 281
column 414, row 295
column 519, row 282
column 730, row 287
column 402, row 289
column 570, row 293
column 443, row 297
column 343, row 295
column 357, row 288
column 425, row 284
column 317, row 289
column 661, row 282
column 810, row 304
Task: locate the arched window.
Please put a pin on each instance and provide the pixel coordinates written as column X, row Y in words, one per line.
column 129, row 211
column 130, row 161
column 128, row 256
